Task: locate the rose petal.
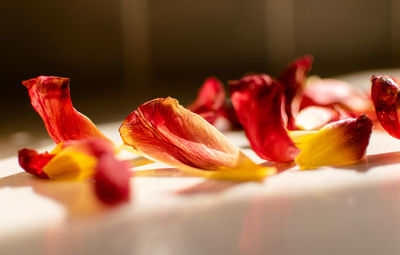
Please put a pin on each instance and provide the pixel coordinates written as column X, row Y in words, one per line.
column 294, row 78
column 385, row 95
column 315, row 117
column 50, row 97
column 258, row 103
column 162, row 129
column 33, row 162
column 339, row 143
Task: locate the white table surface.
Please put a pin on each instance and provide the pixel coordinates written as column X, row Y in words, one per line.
column 346, row 210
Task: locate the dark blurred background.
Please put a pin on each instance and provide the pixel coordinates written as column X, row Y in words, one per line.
column 121, row 53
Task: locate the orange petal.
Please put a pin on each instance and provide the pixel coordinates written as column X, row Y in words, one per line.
column 163, row 130
column 50, row 97
column 339, row 143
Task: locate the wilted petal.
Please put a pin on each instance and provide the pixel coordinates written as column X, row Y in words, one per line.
column 50, row 97
column 333, row 92
column 33, row 162
column 385, row 95
column 162, row 129
column 294, row 78
column 315, row 117
column 258, row 103
column 339, row 143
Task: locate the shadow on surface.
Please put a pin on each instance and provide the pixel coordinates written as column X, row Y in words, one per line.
column 375, row 160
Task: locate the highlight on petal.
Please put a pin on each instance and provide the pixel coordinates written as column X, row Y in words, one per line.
column 294, row 78
column 50, row 97
column 385, row 95
column 339, row 143
column 258, row 101
column 333, row 92
column 163, row 130
column 33, row 162
column 315, row 117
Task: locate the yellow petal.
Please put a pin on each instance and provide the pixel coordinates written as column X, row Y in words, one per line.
column 70, row 164
column 339, row 143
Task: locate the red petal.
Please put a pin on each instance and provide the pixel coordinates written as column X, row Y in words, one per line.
column 211, row 98
column 164, row 130
column 33, row 162
column 294, row 78
column 112, row 179
column 50, row 97
column 385, row 94
column 258, row 103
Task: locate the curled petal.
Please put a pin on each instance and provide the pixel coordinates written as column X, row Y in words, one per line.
column 315, row 117
column 385, row 94
column 332, row 92
column 258, row 100
column 339, row 143
column 50, row 97
column 33, row 162
column 162, row 129
column 293, row 79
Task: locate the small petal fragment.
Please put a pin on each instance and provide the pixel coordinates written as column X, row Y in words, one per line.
column 258, row 103
column 294, row 78
column 33, row 162
column 339, row 143
column 50, row 97
column 112, row 179
column 385, row 96
column 163, row 130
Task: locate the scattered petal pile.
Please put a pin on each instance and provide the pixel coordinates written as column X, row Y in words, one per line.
column 310, row 121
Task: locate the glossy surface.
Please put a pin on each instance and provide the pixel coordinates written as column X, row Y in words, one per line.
column 352, row 210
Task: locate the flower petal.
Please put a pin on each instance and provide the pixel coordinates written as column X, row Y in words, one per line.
column 50, row 97
column 385, row 95
column 211, row 104
column 33, row 162
column 258, row 103
column 162, row 129
column 211, row 98
column 294, row 78
column 333, row 92
column 315, row 117
column 112, row 179
column 339, row 143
